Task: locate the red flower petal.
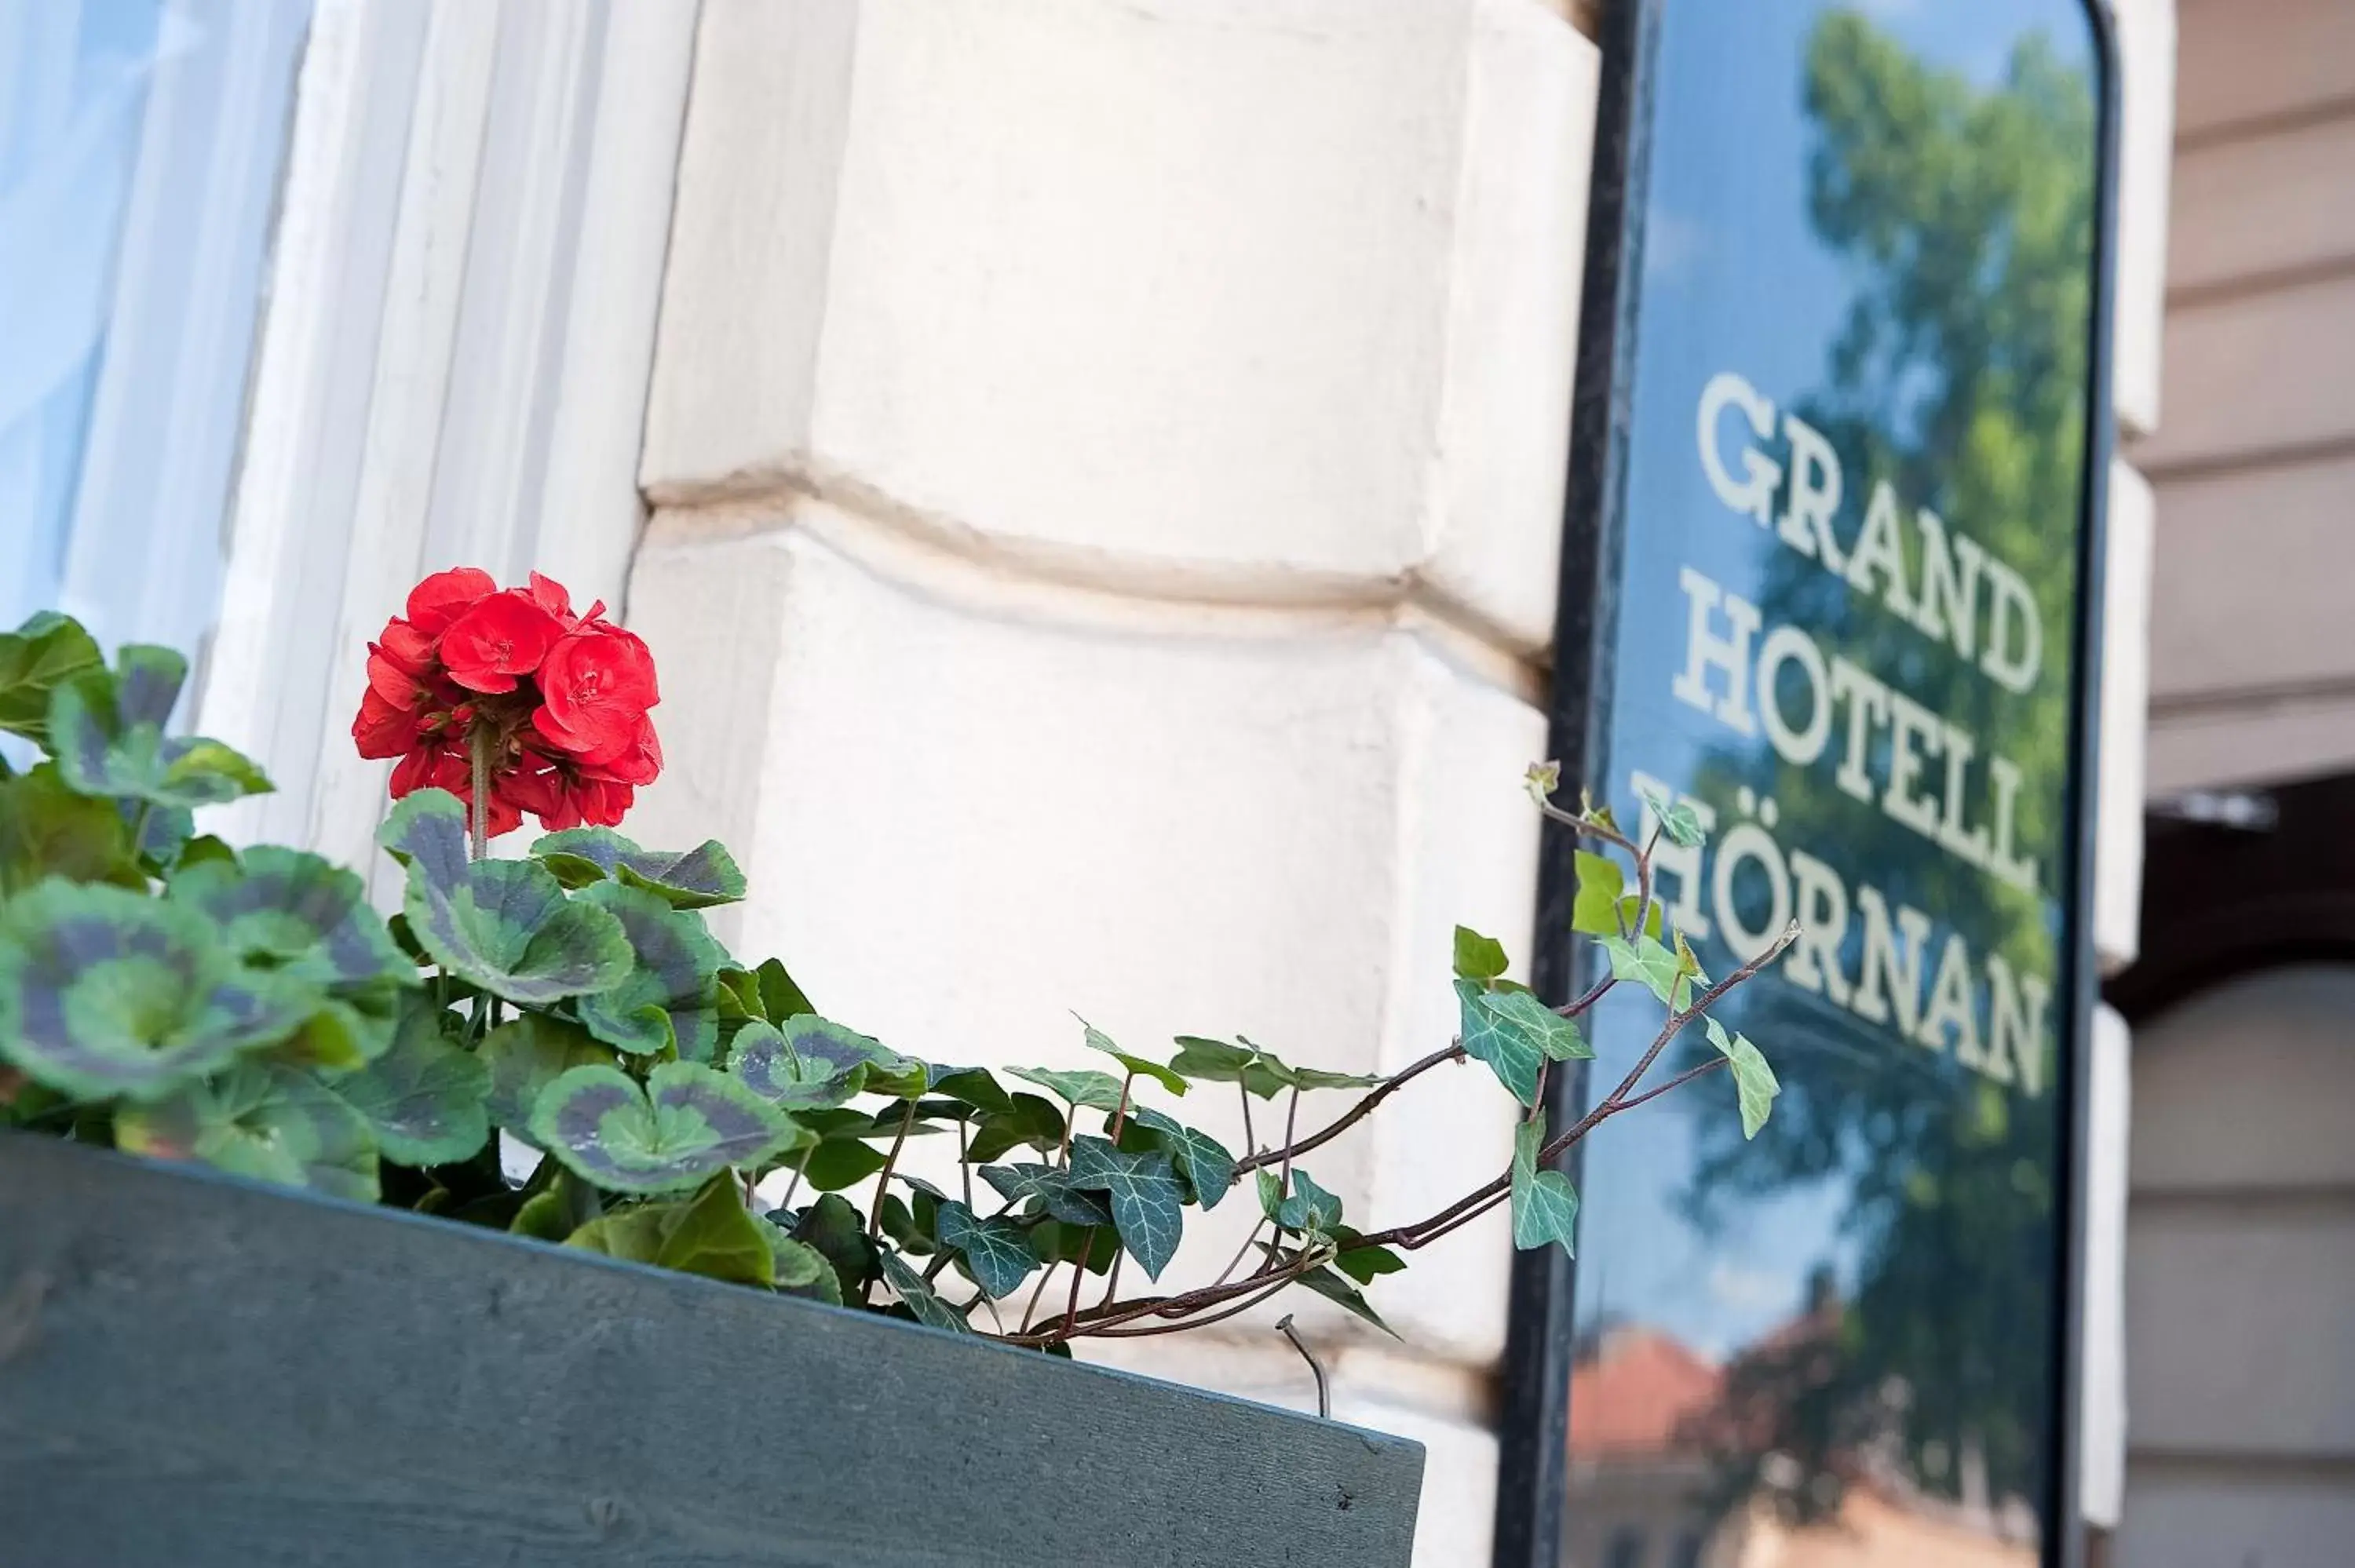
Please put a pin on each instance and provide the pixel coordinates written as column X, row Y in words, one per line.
column 597, row 682
column 502, row 637
column 383, row 728
column 442, row 597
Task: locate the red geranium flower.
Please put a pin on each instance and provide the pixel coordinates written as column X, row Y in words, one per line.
column 558, row 700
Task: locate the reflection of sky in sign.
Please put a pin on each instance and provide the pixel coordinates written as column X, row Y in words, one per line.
column 1771, row 319
column 1736, row 277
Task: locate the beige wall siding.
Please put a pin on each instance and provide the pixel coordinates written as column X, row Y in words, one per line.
column 2251, row 669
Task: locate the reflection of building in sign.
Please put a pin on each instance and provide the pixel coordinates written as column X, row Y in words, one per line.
column 1673, row 1463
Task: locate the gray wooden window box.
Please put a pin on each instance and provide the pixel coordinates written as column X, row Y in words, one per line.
column 201, row 1373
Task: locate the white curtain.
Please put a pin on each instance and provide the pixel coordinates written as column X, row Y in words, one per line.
column 140, row 145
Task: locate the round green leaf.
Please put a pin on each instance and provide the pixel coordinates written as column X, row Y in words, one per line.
column 526, row 1055
column 105, row 994
column 686, row 1124
column 106, row 729
column 772, row 1069
column 670, row 995
column 266, row 1121
column 424, row 1100
column 692, row 879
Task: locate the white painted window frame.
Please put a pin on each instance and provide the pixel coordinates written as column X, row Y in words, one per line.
column 453, row 357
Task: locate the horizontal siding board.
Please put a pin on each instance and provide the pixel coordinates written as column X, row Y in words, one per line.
column 2246, row 590
column 2196, row 1516
column 2241, row 1328
column 2249, row 376
column 2264, row 205
column 2247, row 60
column 207, row 1373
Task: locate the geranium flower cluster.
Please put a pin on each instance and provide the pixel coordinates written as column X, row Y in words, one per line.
column 559, row 700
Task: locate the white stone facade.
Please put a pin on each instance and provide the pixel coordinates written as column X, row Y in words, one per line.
column 1107, row 470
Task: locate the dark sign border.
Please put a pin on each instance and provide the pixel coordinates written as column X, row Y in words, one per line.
column 1533, row 1416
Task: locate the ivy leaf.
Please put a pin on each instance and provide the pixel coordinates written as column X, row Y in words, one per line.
column 1147, row 1206
column 1360, row 1262
column 1542, row 780
column 974, row 1086
column 996, row 1252
column 1098, row 1039
column 106, row 729
column 923, row 1300
column 710, row 1234
column 785, row 1077
column 1555, row 1036
column 1334, row 1288
column 1658, row 969
column 1545, row 1207
column 1309, row 1208
column 1270, row 1192
column 685, row 1125
column 503, row 926
column 1477, row 957
column 425, row 1098
column 262, row 1120
column 1679, row 821
column 838, row 1233
column 815, row 1039
column 912, row 1226
column 1305, row 1078
column 1085, row 1087
column 36, row 658
column 1093, row 1247
column 1216, row 1061
column 670, row 995
column 1601, row 885
column 1031, row 1120
column 104, row 992
column 1754, row 1081
column 526, row 1055
column 1200, row 1159
column 1509, row 1049
column 1053, row 1190
column 48, row 829
column 695, row 879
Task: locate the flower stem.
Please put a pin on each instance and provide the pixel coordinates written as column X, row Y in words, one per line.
column 479, row 741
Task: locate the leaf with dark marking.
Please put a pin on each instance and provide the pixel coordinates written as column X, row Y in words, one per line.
column 526, row 1055
column 688, row 1123
column 425, row 1098
column 670, row 996
column 692, row 879
column 783, row 1077
column 262, row 1120
column 106, row 729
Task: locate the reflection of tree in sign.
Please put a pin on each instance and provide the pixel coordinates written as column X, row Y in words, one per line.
column 1960, row 379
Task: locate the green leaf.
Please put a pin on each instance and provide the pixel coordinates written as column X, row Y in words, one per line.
column 1305, row 1078
column 670, row 996
column 800, row 1269
column 1362, row 1262
column 1511, row 1052
column 1680, row 822
column 36, row 658
column 526, row 1055
column 710, row 1234
column 1200, row 1159
column 504, row 926
column 1334, row 1288
column 1051, row 1187
column 695, row 879
column 839, row 1232
column 687, row 1124
column 923, row 1300
column 1093, row 1247
column 1148, row 1205
column 262, row 1120
column 424, row 1099
column 106, row 729
column 104, row 992
column 910, row 1231
column 1601, row 885
column 1545, row 1207
column 1098, row 1039
column 284, row 909
column 779, row 998
column 1542, row 780
column 839, row 1163
column 1477, row 957
column 996, row 1252
column 1754, row 1081
column 1030, row 1119
column 1658, row 969
column 839, row 1048
column 782, row 1076
column 554, row 1213
column 1309, row 1208
column 46, row 829
column 1084, row 1087
column 1555, row 1036
column 1216, row 1061
column 1270, row 1192
column 974, row 1086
